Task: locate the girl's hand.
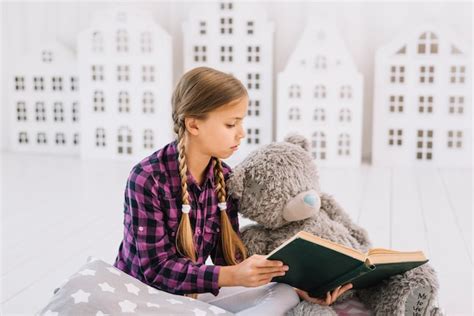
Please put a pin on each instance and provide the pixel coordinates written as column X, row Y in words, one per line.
column 257, row 270
column 330, row 297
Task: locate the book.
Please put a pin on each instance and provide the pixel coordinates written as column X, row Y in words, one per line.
column 317, row 265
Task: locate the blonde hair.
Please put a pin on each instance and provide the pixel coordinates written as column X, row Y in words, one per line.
column 198, row 92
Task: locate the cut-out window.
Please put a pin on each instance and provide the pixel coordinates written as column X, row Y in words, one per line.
column 318, row 145
column 40, row 111
column 146, row 44
column 19, row 83
column 60, row 139
column 395, row 137
column 457, row 74
column 123, row 73
column 148, row 73
column 345, row 115
column 76, row 139
column 47, row 56
column 253, row 136
column 121, row 39
column 41, row 138
column 124, row 141
column 425, row 104
column 319, row 115
column 456, row 105
column 226, row 25
column 200, row 53
column 74, row 84
column 254, row 108
column 320, row 62
column 75, row 111
column 396, row 104
column 455, row 139
column 148, row 139
column 97, row 42
column 57, row 83
column 344, row 145
column 100, row 137
column 97, row 72
column 397, row 74
column 148, row 102
column 23, row 138
column 202, row 27
column 294, row 114
column 253, row 54
column 253, row 81
column 424, row 145
column 320, row 91
column 427, row 43
column 294, row 91
column 58, row 111
column 226, row 6
column 227, row 54
column 21, row 111
column 99, row 101
column 345, row 92
column 38, row 83
column 427, row 74
column 250, row 27
column 123, row 102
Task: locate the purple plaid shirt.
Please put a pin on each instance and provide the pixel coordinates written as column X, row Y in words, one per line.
column 152, row 211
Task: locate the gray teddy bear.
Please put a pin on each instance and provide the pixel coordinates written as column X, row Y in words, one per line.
column 278, row 187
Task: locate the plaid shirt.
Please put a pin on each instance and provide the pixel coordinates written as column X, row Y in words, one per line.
column 152, row 211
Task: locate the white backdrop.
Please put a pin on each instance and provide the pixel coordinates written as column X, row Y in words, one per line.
column 364, row 27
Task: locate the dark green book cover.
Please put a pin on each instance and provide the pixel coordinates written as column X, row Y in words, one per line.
column 317, row 265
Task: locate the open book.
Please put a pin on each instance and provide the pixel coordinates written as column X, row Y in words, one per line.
column 317, row 265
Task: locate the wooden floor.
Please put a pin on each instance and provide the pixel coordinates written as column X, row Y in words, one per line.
column 58, row 211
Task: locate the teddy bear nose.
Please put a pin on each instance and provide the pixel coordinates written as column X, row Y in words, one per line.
column 310, row 199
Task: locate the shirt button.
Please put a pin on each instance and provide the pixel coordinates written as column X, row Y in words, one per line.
column 198, row 230
column 140, row 228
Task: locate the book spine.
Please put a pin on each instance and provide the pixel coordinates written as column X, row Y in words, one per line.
column 364, row 268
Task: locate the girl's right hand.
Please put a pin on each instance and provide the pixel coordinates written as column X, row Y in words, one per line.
column 257, row 270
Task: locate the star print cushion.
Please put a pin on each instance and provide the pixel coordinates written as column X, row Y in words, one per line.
column 98, row 288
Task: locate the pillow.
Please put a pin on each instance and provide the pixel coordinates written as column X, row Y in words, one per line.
column 99, row 288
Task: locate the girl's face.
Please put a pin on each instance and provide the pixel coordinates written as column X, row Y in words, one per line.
column 221, row 132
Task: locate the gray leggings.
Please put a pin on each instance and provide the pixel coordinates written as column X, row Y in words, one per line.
column 270, row 299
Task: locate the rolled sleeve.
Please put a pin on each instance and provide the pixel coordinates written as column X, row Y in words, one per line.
column 158, row 259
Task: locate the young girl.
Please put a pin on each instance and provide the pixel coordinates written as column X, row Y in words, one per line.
column 177, row 211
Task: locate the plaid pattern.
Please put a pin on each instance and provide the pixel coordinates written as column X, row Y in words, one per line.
column 152, row 211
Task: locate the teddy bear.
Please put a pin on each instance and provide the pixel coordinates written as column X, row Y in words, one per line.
column 277, row 186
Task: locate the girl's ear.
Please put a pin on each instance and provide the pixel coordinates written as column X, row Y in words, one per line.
column 298, row 139
column 235, row 183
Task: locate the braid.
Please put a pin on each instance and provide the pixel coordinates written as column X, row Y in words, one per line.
column 230, row 241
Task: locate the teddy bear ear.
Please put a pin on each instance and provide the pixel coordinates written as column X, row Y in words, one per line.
column 299, row 140
column 235, row 183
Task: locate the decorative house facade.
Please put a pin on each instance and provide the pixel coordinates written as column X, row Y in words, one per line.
column 320, row 96
column 236, row 38
column 44, row 102
column 423, row 100
column 125, row 67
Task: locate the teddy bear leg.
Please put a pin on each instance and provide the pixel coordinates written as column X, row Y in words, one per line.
column 307, row 308
column 412, row 293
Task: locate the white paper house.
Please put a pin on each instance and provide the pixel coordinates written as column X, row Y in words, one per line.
column 319, row 95
column 422, row 100
column 236, row 38
column 125, row 68
column 44, row 102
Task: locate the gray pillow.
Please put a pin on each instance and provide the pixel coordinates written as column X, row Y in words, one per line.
column 99, row 288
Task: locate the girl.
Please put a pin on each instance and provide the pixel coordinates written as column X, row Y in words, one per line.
column 177, row 211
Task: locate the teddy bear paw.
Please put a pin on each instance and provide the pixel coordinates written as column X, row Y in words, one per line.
column 420, row 302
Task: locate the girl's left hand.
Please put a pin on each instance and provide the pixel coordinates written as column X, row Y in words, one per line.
column 330, row 297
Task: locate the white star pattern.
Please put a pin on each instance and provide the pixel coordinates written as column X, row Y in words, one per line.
column 153, row 305
column 81, row 296
column 132, row 288
column 199, row 312
column 106, row 287
column 152, row 290
column 114, row 271
column 127, row 306
column 87, row 272
column 50, row 313
column 173, row 301
column 216, row 310
column 99, row 313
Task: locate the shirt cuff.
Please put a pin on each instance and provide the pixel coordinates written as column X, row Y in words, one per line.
column 210, row 277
